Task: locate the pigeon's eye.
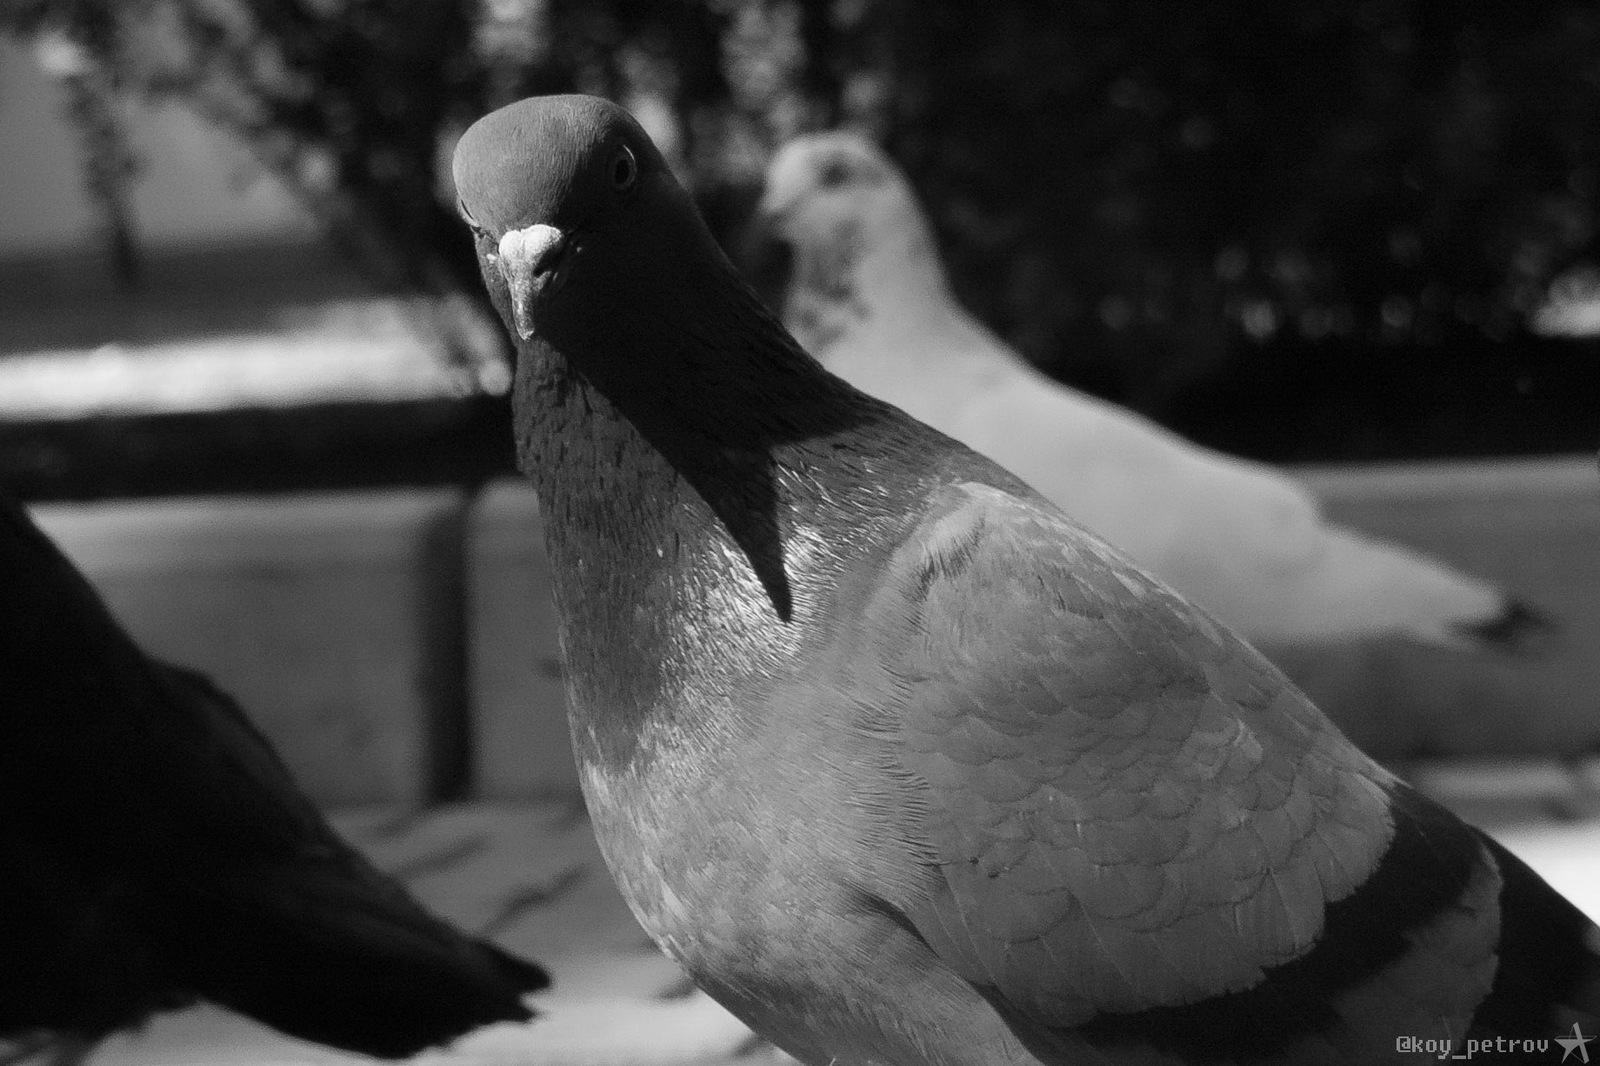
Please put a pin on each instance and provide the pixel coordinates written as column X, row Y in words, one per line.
column 624, row 170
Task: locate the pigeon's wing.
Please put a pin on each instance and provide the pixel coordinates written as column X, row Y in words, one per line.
column 1241, row 538
column 1137, row 830
column 1145, row 489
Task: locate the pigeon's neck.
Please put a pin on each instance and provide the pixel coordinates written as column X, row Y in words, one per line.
column 698, row 497
column 887, row 277
column 902, row 266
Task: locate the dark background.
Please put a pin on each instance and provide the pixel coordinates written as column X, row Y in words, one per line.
column 1296, row 229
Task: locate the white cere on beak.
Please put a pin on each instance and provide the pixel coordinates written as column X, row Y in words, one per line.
column 528, row 261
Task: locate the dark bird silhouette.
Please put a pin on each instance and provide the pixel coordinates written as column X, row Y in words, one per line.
column 901, row 764
column 154, row 851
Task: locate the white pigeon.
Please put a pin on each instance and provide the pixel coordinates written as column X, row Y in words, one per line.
column 867, row 295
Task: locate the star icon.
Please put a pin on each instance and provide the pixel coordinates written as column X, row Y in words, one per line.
column 1575, row 1042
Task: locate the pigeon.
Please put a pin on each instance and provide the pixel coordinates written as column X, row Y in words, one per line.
column 900, row 763
column 155, row 852
column 867, row 295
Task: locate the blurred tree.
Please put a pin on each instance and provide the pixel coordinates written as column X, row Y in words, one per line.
column 87, row 65
column 1130, row 188
column 1130, row 191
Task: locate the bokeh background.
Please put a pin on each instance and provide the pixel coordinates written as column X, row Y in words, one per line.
column 1298, row 229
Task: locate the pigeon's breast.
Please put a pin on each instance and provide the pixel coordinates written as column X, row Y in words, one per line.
column 757, row 870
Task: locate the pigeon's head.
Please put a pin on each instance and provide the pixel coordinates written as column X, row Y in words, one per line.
column 839, row 237
column 553, row 187
column 822, row 188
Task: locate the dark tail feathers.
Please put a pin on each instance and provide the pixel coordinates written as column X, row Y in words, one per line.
column 325, row 958
column 1549, row 973
column 1519, row 629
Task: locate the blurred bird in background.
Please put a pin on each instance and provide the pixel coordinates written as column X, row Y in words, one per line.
column 154, row 851
column 866, row 295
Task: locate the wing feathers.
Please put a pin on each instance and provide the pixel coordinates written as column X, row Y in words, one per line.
column 1423, row 909
column 1207, row 869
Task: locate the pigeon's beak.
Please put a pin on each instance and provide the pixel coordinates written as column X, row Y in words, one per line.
column 530, row 261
